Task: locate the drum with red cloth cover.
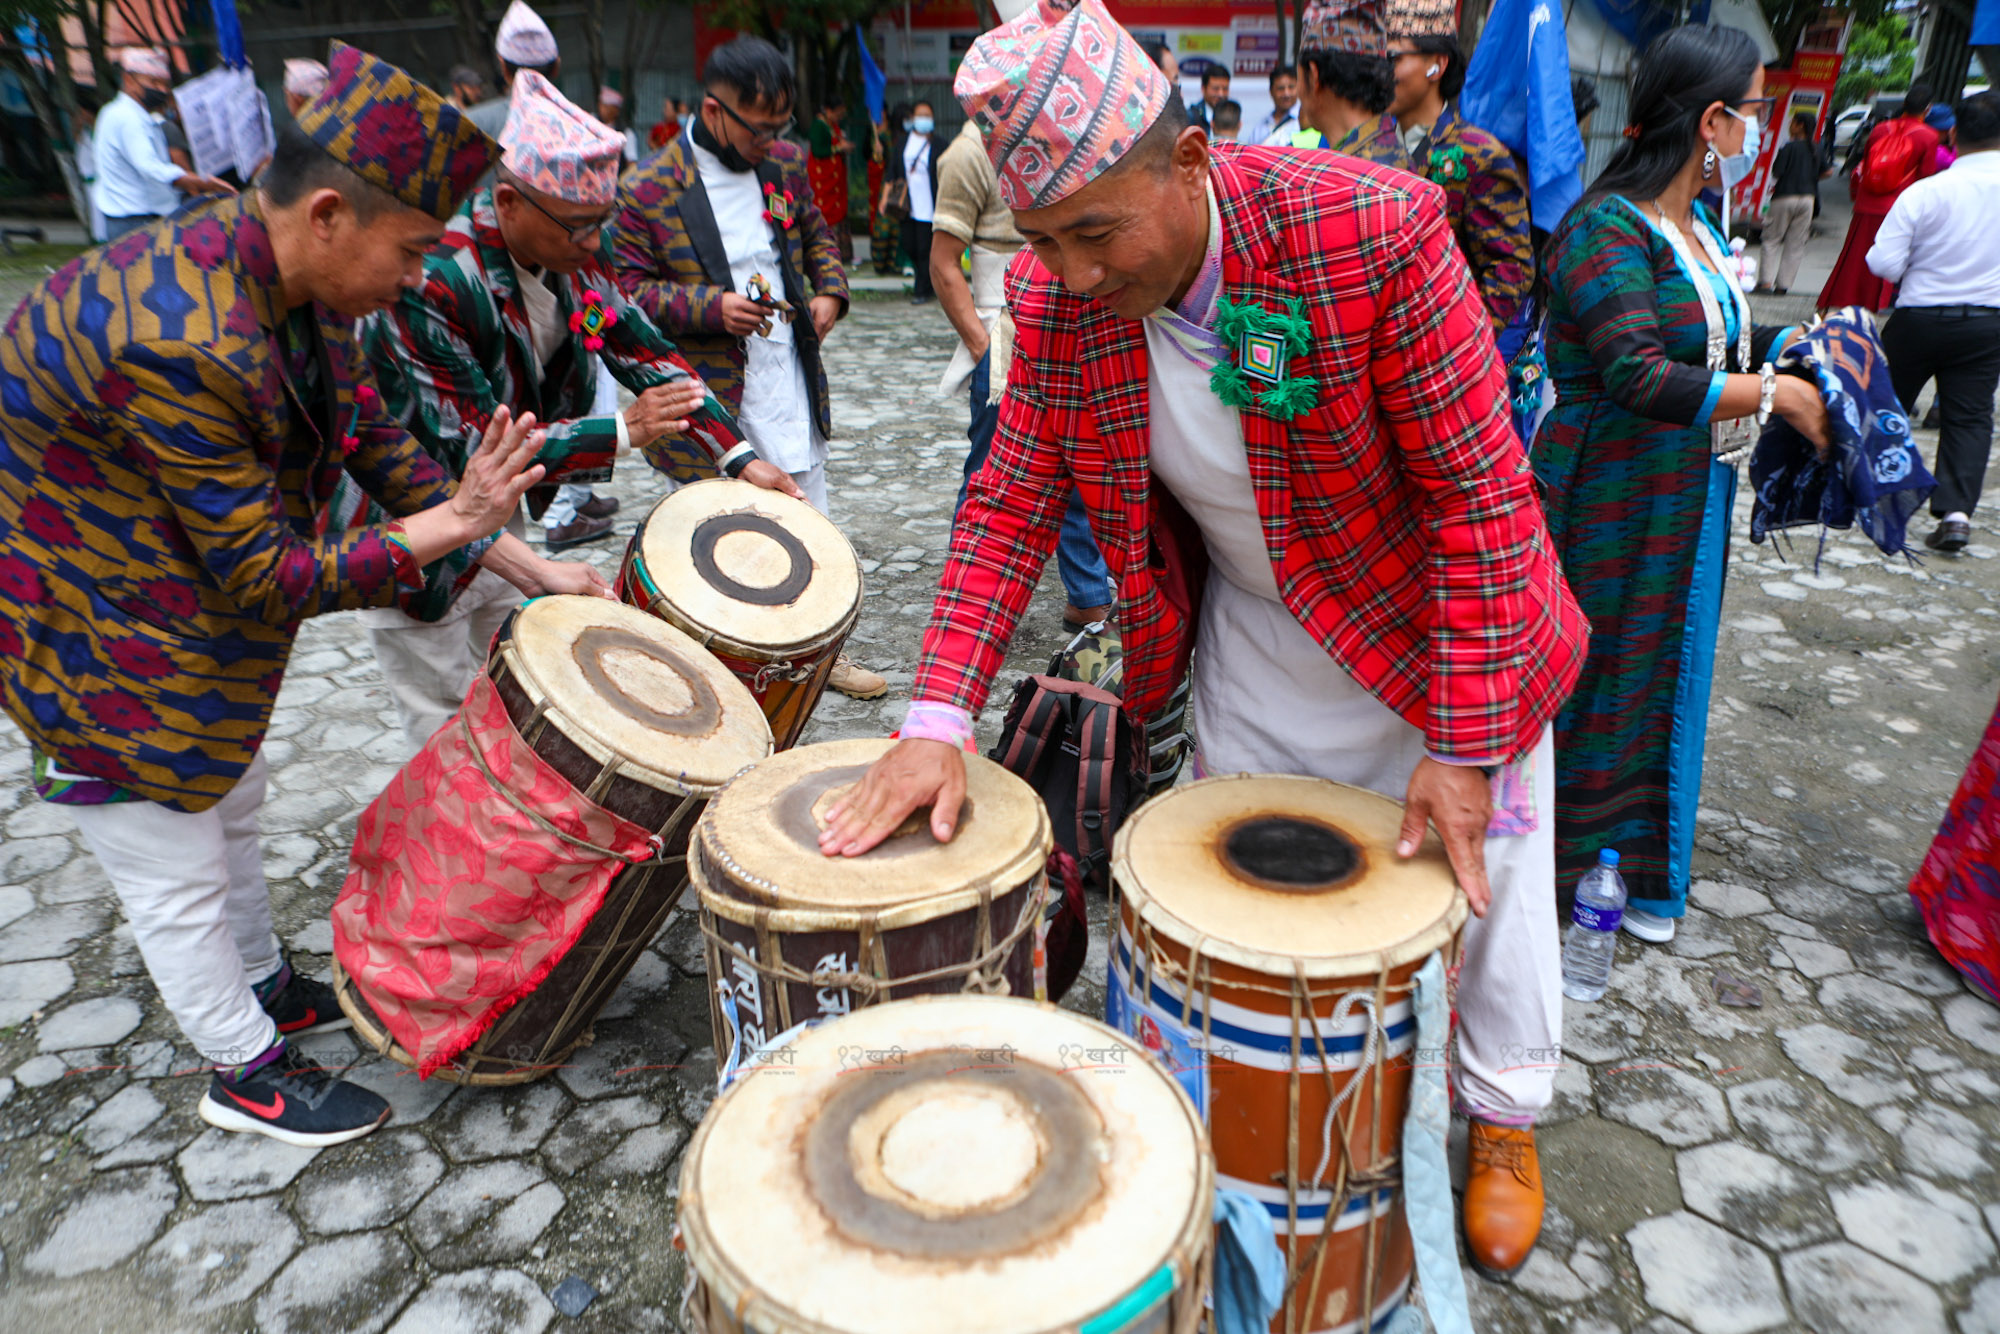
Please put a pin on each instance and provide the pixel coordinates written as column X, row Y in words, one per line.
column 509, row 877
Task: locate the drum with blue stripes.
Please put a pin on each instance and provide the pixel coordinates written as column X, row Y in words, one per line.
column 1264, row 941
column 973, row 1164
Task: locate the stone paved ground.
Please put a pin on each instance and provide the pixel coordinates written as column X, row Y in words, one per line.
column 1826, row 1162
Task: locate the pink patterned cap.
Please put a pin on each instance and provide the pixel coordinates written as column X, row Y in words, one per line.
column 523, row 39
column 610, row 97
column 553, row 146
column 305, row 78
column 147, row 62
column 1060, row 94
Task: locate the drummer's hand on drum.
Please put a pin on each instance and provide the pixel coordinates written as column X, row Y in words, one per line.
column 664, row 410
column 1458, row 799
column 570, row 576
column 771, row 477
column 497, row 475
column 914, row 773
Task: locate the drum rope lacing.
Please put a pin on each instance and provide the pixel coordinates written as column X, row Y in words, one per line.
column 659, row 857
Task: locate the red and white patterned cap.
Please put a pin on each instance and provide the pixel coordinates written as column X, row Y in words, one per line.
column 305, row 78
column 554, row 146
column 1353, row 26
column 148, row 62
column 610, row 97
column 523, row 39
column 1060, row 94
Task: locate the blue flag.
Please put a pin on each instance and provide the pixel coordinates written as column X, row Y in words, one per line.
column 874, row 83
column 1517, row 90
column 1986, row 23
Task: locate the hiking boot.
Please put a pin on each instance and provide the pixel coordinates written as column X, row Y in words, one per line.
column 856, row 682
column 293, row 1100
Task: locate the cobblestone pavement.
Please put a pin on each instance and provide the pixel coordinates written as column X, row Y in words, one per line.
column 1824, row 1162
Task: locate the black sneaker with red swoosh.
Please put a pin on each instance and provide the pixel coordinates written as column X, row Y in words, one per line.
column 293, row 1100
column 305, row 1005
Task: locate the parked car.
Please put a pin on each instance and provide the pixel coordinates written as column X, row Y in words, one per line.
column 1845, row 124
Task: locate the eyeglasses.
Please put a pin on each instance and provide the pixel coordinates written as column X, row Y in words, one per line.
column 1760, row 107
column 578, row 233
column 758, row 134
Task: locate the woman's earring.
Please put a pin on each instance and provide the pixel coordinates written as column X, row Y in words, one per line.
column 1708, row 163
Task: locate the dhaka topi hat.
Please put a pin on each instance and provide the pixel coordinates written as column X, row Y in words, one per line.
column 1421, row 18
column 610, row 97
column 1352, row 26
column 393, row 132
column 523, row 39
column 305, row 78
column 552, row 145
column 1059, row 94
column 147, row 62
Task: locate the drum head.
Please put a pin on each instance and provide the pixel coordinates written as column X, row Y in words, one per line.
column 1266, row 871
column 765, row 829
column 976, row 1164
column 750, row 566
column 628, row 685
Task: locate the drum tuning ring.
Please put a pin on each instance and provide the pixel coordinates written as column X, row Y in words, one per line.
column 775, row 671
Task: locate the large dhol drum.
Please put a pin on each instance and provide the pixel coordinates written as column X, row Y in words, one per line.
column 970, row 1164
column 763, row 581
column 637, row 718
column 1267, row 940
column 793, row 934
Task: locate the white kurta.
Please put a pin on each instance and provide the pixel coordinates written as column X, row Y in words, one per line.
column 1269, row 699
column 777, row 413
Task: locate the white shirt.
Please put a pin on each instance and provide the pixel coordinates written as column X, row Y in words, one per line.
column 1277, row 128
column 1940, row 241
column 917, row 171
column 777, row 415
column 135, row 177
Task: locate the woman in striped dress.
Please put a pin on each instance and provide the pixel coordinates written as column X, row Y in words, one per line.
column 1661, row 382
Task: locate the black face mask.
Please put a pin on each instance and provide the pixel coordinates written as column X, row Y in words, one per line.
column 731, row 159
column 154, row 99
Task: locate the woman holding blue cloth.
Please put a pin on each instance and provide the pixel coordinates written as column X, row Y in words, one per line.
column 1661, row 384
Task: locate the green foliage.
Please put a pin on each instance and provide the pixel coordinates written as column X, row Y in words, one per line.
column 1881, row 57
column 1788, row 19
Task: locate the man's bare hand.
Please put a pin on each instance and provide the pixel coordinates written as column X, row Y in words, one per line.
column 499, row 473
column 771, row 477
column 914, row 773
column 1458, row 799
column 571, row 576
column 825, row 310
column 664, row 410
column 742, row 316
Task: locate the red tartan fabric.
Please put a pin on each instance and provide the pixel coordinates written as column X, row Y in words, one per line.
column 1958, row 887
column 1399, row 511
column 456, row 903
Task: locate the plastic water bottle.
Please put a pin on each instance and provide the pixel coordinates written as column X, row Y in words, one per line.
column 1592, row 939
column 1746, row 264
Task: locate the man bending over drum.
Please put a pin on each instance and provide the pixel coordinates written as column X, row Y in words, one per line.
column 515, row 309
column 1277, row 361
column 179, row 405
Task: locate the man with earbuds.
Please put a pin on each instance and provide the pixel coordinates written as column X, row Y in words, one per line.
column 1486, row 197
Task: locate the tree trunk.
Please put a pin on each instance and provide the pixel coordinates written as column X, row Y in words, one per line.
column 100, row 58
column 475, row 42
column 593, row 45
column 50, row 120
column 1280, row 6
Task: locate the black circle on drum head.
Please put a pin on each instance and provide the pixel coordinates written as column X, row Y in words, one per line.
column 713, row 529
column 1284, row 852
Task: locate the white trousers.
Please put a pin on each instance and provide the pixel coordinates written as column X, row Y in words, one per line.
column 813, row 482
column 1267, row 699
column 193, row 888
column 429, row 665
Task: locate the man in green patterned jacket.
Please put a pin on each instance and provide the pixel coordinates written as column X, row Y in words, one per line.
column 516, row 309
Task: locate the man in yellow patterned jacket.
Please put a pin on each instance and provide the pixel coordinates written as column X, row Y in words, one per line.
column 175, row 410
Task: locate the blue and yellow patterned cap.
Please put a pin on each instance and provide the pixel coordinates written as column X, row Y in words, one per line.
column 388, row 129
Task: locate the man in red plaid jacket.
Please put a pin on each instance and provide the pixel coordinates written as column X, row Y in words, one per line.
column 1273, row 364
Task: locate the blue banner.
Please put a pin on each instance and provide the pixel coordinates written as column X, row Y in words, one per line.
column 1517, row 90
column 228, row 33
column 874, row 83
column 1986, row 23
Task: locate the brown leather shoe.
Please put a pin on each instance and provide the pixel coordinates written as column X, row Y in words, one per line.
column 598, row 507
column 1076, row 617
column 577, row 531
column 850, row 678
column 1503, row 1198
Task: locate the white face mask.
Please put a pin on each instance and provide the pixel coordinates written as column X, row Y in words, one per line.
column 1738, row 164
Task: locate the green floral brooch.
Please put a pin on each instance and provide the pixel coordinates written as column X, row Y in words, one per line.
column 1265, row 343
column 1447, row 165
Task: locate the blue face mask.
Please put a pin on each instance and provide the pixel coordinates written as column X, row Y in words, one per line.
column 1738, row 164
column 923, row 125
